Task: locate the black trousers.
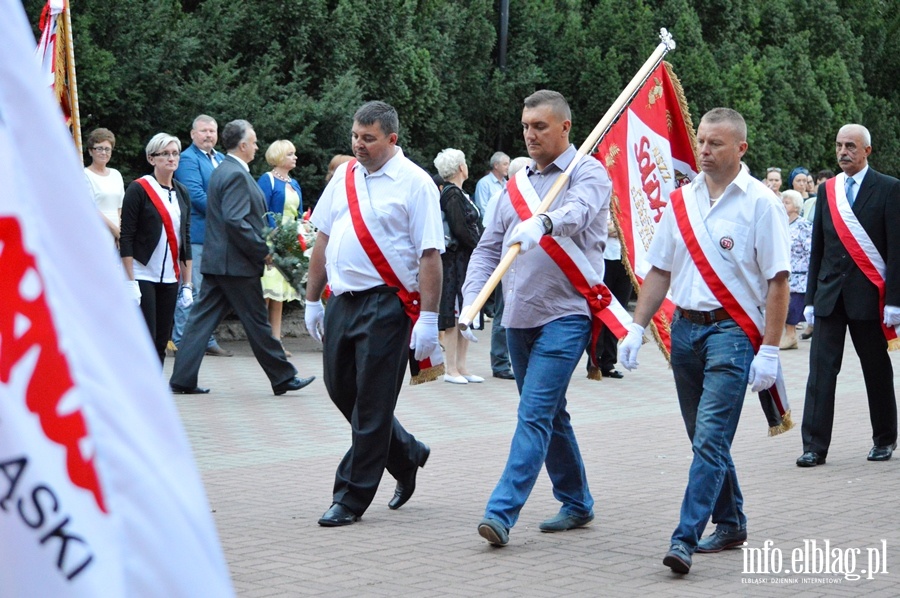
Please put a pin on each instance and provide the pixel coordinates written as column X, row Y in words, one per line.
column 825, row 357
column 616, row 278
column 366, row 352
column 158, row 306
column 219, row 295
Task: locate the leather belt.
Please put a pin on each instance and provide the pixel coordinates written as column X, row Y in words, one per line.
column 705, row 317
column 382, row 288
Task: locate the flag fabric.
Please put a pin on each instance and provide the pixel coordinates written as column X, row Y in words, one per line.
column 99, row 492
column 52, row 53
column 649, row 153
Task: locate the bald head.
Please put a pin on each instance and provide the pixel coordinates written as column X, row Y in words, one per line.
column 852, row 146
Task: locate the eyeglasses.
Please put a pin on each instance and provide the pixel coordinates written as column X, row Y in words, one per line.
column 166, row 155
column 102, row 150
column 773, row 169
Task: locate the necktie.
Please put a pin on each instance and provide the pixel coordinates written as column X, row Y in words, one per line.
column 212, row 158
column 848, row 186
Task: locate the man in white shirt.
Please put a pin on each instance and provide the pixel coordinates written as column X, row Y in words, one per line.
column 380, row 229
column 723, row 246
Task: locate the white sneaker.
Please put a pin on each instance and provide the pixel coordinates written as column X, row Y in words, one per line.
column 472, row 378
column 455, row 379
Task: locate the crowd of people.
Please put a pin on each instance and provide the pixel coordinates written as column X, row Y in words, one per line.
column 404, row 254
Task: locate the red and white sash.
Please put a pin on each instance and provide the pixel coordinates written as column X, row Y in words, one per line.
column 857, row 242
column 721, row 278
column 570, row 258
column 154, row 192
column 384, row 256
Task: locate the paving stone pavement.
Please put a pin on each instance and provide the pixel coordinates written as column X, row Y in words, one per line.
column 268, row 464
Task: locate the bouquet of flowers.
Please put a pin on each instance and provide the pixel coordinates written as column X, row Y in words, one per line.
column 291, row 244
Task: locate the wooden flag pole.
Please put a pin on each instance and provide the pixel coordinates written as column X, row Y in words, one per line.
column 666, row 44
column 70, row 75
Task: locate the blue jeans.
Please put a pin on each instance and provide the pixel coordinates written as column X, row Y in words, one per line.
column 182, row 313
column 711, row 363
column 543, row 360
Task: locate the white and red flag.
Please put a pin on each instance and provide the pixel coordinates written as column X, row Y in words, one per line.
column 648, row 152
column 52, row 52
column 99, row 492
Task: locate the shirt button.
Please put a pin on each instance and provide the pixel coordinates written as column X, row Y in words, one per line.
column 415, row 302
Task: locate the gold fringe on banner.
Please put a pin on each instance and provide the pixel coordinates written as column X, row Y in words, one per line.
column 428, row 375
column 786, row 424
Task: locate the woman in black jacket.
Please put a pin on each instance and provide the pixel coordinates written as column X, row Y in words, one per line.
column 155, row 240
column 464, row 223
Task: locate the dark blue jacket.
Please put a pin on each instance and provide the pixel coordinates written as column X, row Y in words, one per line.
column 193, row 172
column 275, row 196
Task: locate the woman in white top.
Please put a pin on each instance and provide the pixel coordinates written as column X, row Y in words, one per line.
column 156, row 242
column 106, row 183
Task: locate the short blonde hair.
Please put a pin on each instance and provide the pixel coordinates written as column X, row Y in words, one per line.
column 159, row 141
column 448, row 162
column 278, row 151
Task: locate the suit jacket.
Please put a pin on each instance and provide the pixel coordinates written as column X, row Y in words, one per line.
column 831, row 269
column 194, row 170
column 235, row 212
column 142, row 225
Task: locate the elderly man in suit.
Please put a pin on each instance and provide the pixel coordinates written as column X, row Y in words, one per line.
column 197, row 164
column 854, row 283
column 236, row 253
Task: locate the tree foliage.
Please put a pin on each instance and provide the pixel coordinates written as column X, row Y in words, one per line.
column 297, row 69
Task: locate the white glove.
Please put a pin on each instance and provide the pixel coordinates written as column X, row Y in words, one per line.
column 467, row 333
column 809, row 314
column 424, row 338
column 628, row 350
column 891, row 316
column 527, row 233
column 764, row 368
column 187, row 297
column 315, row 319
column 135, row 291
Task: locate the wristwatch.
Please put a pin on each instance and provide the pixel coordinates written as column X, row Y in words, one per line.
column 548, row 224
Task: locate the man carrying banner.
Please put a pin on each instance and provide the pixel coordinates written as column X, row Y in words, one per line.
column 723, row 246
column 854, row 283
column 548, row 319
column 379, row 247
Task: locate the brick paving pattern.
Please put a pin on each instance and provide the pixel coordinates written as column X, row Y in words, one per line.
column 268, row 464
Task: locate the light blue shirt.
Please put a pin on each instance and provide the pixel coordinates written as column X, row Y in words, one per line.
column 487, row 187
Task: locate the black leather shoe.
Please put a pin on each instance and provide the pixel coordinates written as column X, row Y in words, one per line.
column 185, row 390
column 811, row 459
column 613, row 374
column 678, row 559
column 504, row 375
column 406, row 486
column 337, row 516
column 722, row 540
column 881, row 453
column 294, row 383
column 218, row 351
